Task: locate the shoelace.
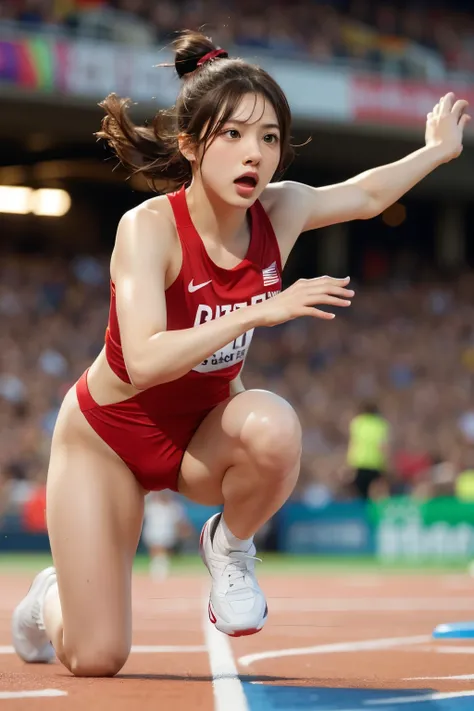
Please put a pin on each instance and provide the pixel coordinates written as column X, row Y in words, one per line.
column 236, row 569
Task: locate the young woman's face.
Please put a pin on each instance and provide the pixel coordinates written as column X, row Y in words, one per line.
column 243, row 157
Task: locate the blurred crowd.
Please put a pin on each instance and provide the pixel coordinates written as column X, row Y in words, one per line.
column 409, row 348
column 423, row 36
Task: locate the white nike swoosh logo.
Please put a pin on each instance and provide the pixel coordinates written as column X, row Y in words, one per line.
column 194, row 287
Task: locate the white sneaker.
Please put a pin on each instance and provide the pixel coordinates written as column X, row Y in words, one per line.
column 237, row 605
column 30, row 640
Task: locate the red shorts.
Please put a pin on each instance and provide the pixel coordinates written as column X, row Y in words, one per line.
column 150, row 440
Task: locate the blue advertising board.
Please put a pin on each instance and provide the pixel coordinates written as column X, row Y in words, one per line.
column 339, row 528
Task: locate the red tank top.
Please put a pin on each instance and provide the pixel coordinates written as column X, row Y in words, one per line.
column 204, row 291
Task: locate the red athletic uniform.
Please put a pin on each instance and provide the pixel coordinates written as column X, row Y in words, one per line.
column 151, row 430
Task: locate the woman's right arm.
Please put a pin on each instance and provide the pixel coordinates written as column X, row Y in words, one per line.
column 154, row 355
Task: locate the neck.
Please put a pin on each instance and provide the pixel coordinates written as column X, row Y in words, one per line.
column 214, row 219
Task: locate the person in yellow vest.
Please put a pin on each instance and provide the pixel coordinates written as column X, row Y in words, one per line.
column 464, row 486
column 367, row 453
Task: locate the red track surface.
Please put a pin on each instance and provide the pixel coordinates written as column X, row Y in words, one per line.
column 304, row 612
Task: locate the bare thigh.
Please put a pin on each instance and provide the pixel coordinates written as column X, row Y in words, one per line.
column 254, row 419
column 94, row 515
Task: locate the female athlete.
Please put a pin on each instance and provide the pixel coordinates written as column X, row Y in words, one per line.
column 193, row 272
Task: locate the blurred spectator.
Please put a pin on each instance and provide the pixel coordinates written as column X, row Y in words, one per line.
column 464, row 488
column 423, row 40
column 33, row 516
column 368, row 449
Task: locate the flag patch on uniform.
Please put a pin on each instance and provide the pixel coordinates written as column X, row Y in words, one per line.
column 270, row 275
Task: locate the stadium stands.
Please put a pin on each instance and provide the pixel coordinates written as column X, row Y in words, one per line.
column 402, row 38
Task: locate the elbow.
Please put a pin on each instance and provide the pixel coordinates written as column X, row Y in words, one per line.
column 142, row 368
column 372, row 207
column 139, row 377
column 142, row 377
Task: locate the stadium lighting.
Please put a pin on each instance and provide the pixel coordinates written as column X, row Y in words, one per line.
column 15, row 200
column 394, row 215
column 47, row 202
column 52, row 203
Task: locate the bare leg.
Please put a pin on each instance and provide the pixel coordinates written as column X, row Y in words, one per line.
column 94, row 513
column 246, row 455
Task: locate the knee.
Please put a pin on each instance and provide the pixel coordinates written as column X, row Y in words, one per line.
column 272, row 436
column 101, row 660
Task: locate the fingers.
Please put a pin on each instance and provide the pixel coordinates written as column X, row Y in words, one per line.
column 329, row 280
column 459, row 107
column 330, row 300
column 317, row 289
column 317, row 313
column 446, row 103
column 339, row 291
column 465, row 118
column 326, row 290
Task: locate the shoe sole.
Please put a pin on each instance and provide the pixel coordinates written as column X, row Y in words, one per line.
column 220, row 624
column 38, row 581
column 231, row 631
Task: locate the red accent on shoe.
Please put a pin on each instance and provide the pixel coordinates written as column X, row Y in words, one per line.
column 245, row 633
column 212, row 616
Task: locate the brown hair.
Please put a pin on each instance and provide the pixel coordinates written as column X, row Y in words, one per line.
column 209, row 95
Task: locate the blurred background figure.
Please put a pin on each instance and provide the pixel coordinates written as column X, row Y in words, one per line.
column 368, row 452
column 165, row 526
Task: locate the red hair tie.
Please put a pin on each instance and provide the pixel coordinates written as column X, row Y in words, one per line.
column 212, row 55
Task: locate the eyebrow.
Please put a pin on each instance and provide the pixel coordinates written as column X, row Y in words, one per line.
column 242, row 123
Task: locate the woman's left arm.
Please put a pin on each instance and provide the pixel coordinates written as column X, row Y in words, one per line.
column 371, row 192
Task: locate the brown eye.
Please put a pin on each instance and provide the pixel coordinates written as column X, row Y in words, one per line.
column 232, row 133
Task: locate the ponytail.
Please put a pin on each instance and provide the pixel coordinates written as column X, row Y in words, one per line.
column 151, row 151
column 212, row 86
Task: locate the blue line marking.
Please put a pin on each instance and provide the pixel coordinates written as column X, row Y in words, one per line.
column 267, row 697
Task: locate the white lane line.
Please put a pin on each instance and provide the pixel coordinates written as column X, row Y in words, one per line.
column 462, row 677
column 369, row 604
column 145, row 649
column 336, row 604
column 31, row 694
column 446, row 650
column 334, row 648
column 436, row 696
column 229, row 693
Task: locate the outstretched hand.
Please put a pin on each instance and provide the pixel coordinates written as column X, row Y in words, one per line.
column 301, row 298
column 445, row 126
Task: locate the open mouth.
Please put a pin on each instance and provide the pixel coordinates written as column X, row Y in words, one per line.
column 246, row 181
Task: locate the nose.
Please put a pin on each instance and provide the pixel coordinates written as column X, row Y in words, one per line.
column 253, row 159
column 253, row 154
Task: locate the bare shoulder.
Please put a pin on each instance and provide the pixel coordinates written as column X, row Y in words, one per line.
column 149, row 229
column 151, row 217
column 284, row 205
column 272, row 194
column 282, row 201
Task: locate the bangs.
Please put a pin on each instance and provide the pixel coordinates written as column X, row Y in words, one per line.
column 203, row 114
column 225, row 109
